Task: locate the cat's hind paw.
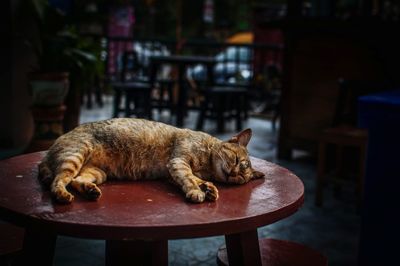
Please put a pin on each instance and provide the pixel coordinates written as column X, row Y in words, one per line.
column 87, row 189
column 196, row 196
column 210, row 190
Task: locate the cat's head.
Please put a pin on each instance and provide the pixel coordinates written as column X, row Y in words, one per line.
column 231, row 161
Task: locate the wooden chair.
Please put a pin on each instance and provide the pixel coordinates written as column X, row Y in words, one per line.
column 164, row 99
column 345, row 138
column 222, row 103
column 137, row 90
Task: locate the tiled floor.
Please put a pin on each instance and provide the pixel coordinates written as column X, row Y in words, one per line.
column 332, row 230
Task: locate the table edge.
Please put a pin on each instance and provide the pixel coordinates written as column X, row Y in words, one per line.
column 222, row 227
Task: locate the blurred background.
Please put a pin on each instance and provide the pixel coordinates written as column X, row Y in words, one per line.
column 300, row 73
column 287, row 55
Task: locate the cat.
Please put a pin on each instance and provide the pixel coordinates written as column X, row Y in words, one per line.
column 130, row 148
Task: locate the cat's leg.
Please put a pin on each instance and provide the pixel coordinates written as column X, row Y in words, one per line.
column 195, row 189
column 87, row 180
column 63, row 176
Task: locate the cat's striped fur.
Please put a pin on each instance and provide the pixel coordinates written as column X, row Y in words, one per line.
column 128, row 148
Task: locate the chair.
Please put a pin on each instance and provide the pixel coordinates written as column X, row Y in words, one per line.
column 137, row 90
column 94, row 89
column 272, row 93
column 349, row 142
column 223, row 103
column 164, row 98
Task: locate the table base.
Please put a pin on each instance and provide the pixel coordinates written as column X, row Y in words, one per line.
column 38, row 247
column 242, row 248
column 136, row 252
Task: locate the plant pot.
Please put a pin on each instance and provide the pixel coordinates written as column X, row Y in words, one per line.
column 48, row 126
column 48, row 92
column 49, row 89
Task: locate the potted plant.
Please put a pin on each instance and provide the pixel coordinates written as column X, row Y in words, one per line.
column 67, row 61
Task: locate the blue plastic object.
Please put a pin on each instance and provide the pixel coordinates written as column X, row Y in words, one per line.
column 380, row 224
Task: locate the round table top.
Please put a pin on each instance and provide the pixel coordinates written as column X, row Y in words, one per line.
column 147, row 209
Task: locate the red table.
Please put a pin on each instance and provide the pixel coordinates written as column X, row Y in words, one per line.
column 137, row 218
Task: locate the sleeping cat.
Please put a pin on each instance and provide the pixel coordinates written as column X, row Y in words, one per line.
column 128, row 148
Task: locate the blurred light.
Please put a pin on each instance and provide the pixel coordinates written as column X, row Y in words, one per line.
column 245, row 73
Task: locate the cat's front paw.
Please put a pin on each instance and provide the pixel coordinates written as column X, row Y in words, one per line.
column 63, row 196
column 196, row 196
column 210, row 190
column 91, row 191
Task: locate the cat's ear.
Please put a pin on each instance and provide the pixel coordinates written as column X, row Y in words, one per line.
column 242, row 137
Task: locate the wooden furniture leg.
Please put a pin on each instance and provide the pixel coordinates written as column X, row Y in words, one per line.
column 338, row 173
column 220, row 102
column 200, row 119
column 38, row 247
column 116, row 102
column 136, row 252
column 147, row 105
column 243, row 248
column 276, row 252
column 320, row 173
column 361, row 175
column 128, row 97
column 11, row 241
column 181, row 108
column 239, row 110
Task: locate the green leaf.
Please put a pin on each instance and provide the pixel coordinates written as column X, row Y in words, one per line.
column 40, row 8
column 85, row 55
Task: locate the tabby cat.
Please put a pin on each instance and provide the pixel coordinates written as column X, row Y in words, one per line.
column 128, row 148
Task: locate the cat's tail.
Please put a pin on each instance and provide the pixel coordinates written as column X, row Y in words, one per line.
column 45, row 174
column 61, row 165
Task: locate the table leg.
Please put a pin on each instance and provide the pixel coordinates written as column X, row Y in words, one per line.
column 136, row 252
column 221, row 104
column 243, row 248
column 181, row 105
column 116, row 102
column 38, row 247
column 320, row 173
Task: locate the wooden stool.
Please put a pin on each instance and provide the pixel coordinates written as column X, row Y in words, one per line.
column 340, row 137
column 281, row 253
column 344, row 133
column 222, row 103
